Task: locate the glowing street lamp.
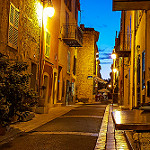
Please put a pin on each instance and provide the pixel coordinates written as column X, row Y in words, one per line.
column 109, row 85
column 49, row 10
column 113, row 55
column 115, row 70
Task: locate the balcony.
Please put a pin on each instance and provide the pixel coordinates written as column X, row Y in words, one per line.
column 119, row 5
column 123, row 53
column 72, row 35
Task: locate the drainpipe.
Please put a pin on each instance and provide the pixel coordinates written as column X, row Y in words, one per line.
column 145, row 49
column 123, row 50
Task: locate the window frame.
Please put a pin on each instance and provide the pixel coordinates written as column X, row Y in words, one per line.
column 68, row 61
column 13, row 27
column 47, row 43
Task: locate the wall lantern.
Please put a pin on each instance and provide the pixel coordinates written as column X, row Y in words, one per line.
column 48, row 8
column 113, row 55
column 109, row 85
column 115, row 70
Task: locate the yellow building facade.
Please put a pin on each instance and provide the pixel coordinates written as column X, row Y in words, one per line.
column 48, row 44
column 86, row 65
column 133, row 53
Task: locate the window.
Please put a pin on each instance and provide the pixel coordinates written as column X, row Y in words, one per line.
column 47, row 44
column 68, row 4
column 68, row 62
column 67, row 25
column 74, row 66
column 13, row 26
column 33, row 76
column 130, row 33
column 76, row 10
column 65, row 2
column 143, row 70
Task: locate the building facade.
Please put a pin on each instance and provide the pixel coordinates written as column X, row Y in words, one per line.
column 132, row 48
column 20, row 34
column 48, row 45
column 87, row 65
column 70, row 39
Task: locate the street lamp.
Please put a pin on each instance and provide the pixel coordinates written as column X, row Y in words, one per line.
column 113, row 55
column 109, row 85
column 115, row 70
column 48, row 8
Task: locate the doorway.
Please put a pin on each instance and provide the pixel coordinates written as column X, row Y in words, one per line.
column 138, row 81
column 45, row 88
column 54, row 88
column 67, row 91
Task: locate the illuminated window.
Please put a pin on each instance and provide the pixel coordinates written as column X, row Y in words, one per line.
column 47, row 45
column 68, row 62
column 13, row 26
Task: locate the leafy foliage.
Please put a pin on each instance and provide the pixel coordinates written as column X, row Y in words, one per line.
column 15, row 94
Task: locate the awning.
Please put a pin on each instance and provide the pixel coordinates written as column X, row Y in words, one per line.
column 103, row 90
column 100, row 80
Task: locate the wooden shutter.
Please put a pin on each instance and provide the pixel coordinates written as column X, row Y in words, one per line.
column 47, row 48
column 13, row 26
column 68, row 63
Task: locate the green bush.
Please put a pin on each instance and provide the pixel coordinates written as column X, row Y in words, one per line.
column 15, row 94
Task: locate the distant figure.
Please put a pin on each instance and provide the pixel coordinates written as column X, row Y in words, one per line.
column 105, row 95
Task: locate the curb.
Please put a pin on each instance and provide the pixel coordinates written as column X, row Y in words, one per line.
column 101, row 141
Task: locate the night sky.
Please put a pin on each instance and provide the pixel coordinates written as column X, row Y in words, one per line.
column 98, row 14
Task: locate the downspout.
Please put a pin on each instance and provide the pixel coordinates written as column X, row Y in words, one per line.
column 123, row 50
column 145, row 50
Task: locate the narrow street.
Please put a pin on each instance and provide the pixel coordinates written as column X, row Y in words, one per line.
column 76, row 130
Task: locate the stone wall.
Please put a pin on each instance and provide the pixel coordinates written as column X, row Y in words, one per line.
column 85, row 67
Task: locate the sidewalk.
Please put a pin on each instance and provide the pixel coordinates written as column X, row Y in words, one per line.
column 38, row 120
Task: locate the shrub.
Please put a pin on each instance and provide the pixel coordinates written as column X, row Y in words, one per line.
column 15, row 94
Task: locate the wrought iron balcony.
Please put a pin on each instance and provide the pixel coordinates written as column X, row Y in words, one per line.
column 72, row 35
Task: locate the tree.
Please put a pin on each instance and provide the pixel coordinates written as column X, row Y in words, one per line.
column 15, row 94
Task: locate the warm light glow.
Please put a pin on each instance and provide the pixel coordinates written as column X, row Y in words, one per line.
column 39, row 10
column 109, row 85
column 115, row 70
column 118, row 117
column 97, row 58
column 49, row 11
column 113, row 56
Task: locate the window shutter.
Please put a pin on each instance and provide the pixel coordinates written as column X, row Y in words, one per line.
column 68, row 64
column 47, row 49
column 13, row 26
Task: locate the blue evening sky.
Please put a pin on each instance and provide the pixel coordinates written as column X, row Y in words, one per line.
column 98, row 14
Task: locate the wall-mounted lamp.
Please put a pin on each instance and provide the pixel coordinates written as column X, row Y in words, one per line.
column 115, row 70
column 109, row 85
column 113, row 55
column 48, row 8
